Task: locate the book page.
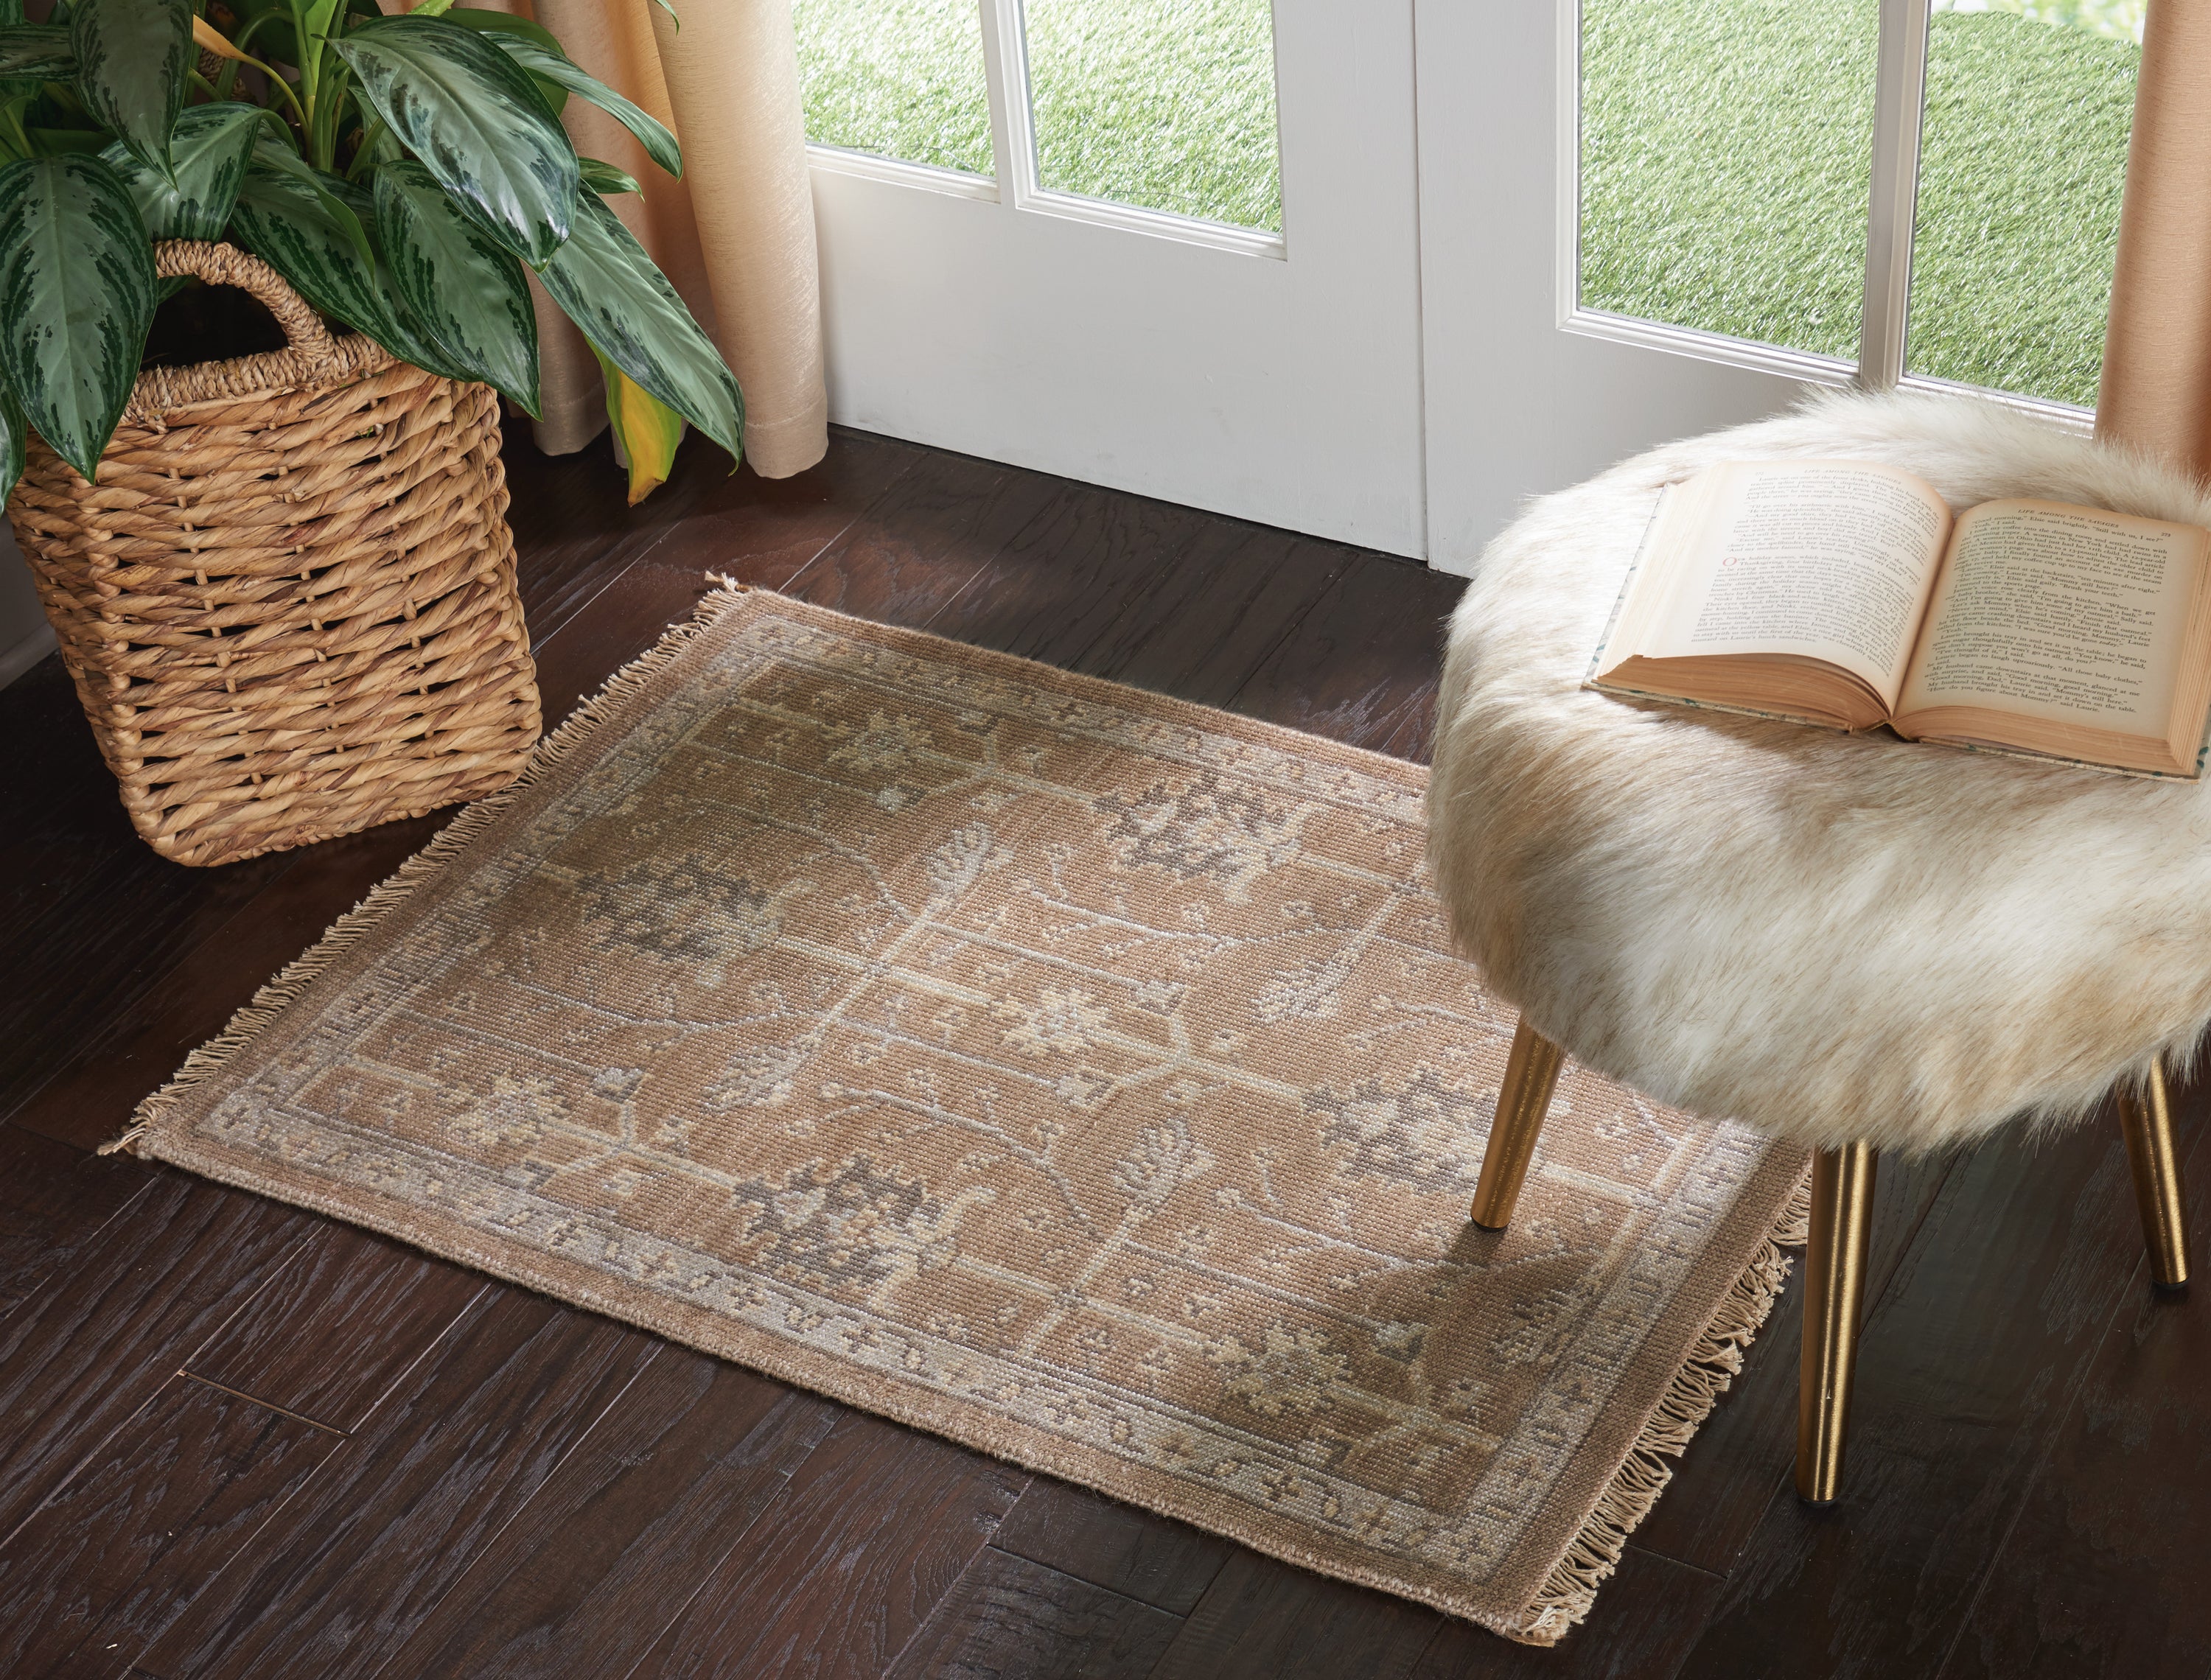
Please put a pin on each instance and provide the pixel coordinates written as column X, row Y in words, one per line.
column 1826, row 559
column 2068, row 615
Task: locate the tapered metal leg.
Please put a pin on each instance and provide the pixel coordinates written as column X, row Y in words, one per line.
column 2147, row 1124
column 1531, row 1071
column 1834, row 1288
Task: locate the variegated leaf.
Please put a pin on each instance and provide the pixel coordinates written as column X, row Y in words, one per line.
column 209, row 147
column 133, row 58
column 77, row 299
column 36, row 51
column 469, row 113
column 604, row 179
column 659, row 144
column 466, row 289
column 607, row 285
column 305, row 233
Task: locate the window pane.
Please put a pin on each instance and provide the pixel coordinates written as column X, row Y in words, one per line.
column 1725, row 150
column 898, row 78
column 2022, row 157
column 1165, row 104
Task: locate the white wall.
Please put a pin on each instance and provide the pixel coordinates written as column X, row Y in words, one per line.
column 24, row 639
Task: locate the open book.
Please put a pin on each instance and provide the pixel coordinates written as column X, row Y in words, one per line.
column 1841, row 593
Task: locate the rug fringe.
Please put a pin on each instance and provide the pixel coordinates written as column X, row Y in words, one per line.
column 1712, row 1364
column 280, row 993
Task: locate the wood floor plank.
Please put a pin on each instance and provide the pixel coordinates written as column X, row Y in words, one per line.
column 329, row 1338
column 1009, row 1618
column 609, row 1551
column 1965, row 1370
column 767, row 531
column 573, row 527
column 1361, row 666
column 1261, row 1620
column 82, row 1357
column 1744, row 1455
column 116, row 1055
column 105, row 943
column 2104, row 1573
column 53, row 1200
column 1129, row 1551
column 345, row 1572
column 840, row 1573
column 1061, row 581
column 1647, row 1618
column 1218, row 612
column 100, row 1569
column 923, row 540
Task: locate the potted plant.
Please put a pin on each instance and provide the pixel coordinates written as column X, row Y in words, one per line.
column 273, row 647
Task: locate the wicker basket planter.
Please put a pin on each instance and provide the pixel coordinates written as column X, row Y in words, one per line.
column 289, row 606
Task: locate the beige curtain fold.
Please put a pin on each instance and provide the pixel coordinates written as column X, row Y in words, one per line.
column 735, row 234
column 2156, row 389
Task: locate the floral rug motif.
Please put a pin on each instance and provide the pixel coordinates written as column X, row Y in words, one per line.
column 1079, row 1073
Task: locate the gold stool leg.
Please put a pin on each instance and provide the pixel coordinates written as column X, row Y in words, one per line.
column 1834, row 1287
column 1530, row 1073
column 2147, row 1125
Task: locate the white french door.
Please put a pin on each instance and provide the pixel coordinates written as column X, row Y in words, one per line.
column 1517, row 240
column 1271, row 375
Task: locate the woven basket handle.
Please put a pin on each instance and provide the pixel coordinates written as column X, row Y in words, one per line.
column 227, row 265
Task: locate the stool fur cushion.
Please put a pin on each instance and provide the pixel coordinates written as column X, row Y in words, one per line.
column 1828, row 938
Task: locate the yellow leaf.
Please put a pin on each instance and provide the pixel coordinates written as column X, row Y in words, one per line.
column 212, row 40
column 647, row 428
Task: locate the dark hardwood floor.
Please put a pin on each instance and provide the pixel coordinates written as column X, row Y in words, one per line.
column 236, row 1439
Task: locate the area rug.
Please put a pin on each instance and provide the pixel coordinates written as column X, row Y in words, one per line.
column 1080, row 1073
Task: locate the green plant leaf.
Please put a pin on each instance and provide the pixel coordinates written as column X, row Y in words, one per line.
column 210, row 146
column 132, row 60
column 647, row 428
column 469, row 113
column 659, row 144
column 36, row 50
column 465, row 288
column 76, row 298
column 485, row 23
column 603, row 177
column 315, row 240
column 401, row 333
column 608, row 286
column 14, row 435
column 11, row 11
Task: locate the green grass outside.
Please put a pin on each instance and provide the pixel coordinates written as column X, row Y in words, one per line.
column 898, row 78
column 1165, row 104
column 1725, row 149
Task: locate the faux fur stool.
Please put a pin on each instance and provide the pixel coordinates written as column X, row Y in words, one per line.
column 1855, row 942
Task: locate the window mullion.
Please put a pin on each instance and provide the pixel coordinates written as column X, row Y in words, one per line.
column 1899, row 100
column 1005, row 70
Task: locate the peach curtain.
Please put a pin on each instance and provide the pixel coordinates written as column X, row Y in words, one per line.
column 2156, row 388
column 735, row 234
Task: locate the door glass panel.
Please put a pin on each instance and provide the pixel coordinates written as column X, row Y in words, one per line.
column 898, row 78
column 1726, row 145
column 2023, row 156
column 1168, row 105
